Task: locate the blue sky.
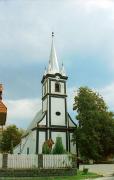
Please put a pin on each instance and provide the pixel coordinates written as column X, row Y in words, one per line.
column 84, row 40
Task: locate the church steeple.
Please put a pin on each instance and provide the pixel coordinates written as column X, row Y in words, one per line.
column 53, row 66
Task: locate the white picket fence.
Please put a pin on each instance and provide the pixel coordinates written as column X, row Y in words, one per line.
column 1, row 160
column 57, row 161
column 22, row 161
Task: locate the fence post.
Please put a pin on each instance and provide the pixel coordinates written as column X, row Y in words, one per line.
column 40, row 160
column 5, row 161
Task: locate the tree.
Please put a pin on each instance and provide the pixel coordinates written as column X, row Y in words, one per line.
column 10, row 138
column 58, row 148
column 95, row 131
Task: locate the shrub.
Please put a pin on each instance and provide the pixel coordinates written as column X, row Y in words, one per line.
column 85, row 170
column 46, row 149
column 58, row 148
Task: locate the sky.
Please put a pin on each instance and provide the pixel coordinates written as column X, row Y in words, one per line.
column 84, row 41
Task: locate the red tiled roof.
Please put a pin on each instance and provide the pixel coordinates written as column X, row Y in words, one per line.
column 3, row 114
column 3, row 108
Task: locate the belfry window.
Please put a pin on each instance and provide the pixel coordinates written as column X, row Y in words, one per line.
column 57, row 87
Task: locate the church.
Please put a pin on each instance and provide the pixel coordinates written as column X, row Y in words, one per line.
column 53, row 119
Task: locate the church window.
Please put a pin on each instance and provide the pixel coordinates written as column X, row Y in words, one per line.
column 58, row 113
column 28, row 150
column 57, row 87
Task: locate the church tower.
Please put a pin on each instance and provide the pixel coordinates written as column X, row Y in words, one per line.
column 53, row 119
column 54, row 99
column 54, row 91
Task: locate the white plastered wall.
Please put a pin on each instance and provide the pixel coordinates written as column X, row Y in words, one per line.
column 30, row 143
column 45, row 87
column 57, row 105
column 41, row 140
column 45, row 105
column 17, row 149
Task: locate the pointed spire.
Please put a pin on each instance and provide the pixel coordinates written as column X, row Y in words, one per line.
column 53, row 62
column 62, row 72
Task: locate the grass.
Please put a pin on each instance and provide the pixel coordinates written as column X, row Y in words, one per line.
column 80, row 175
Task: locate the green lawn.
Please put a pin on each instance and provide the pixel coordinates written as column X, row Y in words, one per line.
column 79, row 176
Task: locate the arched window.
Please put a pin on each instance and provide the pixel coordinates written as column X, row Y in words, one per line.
column 57, row 87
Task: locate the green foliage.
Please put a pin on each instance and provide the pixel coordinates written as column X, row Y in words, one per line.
column 10, row 138
column 95, row 131
column 85, row 170
column 46, row 149
column 58, row 148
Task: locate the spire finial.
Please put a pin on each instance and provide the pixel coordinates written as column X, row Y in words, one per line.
column 52, row 34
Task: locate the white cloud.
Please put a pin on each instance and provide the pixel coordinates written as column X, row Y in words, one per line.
column 104, row 4
column 108, row 95
column 106, row 92
column 26, row 27
column 21, row 112
column 71, row 94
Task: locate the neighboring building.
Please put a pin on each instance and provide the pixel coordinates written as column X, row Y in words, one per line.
column 3, row 109
column 53, row 119
column 3, row 113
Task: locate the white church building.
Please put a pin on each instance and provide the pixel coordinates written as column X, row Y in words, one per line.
column 53, row 119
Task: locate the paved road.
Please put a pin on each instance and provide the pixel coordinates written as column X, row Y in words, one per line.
column 103, row 169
